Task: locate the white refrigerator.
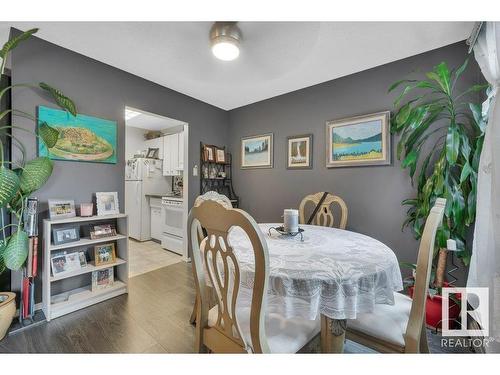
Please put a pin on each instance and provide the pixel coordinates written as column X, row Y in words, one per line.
column 142, row 177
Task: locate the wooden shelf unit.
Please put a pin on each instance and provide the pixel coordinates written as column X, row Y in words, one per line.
column 222, row 185
column 57, row 302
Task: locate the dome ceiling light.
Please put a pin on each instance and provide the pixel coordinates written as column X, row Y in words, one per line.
column 225, row 40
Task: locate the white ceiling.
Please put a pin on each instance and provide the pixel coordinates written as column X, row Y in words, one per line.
column 276, row 57
column 149, row 121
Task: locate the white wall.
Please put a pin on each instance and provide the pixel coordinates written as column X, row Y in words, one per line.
column 134, row 140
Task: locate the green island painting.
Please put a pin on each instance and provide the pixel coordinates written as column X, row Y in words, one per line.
column 361, row 141
column 81, row 138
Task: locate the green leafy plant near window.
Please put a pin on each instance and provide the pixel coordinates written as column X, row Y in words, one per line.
column 20, row 179
column 441, row 141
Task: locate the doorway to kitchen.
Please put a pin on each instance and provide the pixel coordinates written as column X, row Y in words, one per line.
column 156, row 189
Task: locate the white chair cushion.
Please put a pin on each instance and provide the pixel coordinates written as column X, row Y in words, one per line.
column 386, row 322
column 283, row 335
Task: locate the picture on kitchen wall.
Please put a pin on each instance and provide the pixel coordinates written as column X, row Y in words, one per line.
column 81, row 138
column 257, row 151
column 299, row 152
column 359, row 141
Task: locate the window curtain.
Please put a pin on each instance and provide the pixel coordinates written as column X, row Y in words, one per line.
column 484, row 268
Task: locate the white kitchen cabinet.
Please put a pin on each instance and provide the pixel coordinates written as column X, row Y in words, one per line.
column 180, row 157
column 173, row 154
column 156, row 228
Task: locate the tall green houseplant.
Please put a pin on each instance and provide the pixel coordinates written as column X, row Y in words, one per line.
column 441, row 141
column 20, row 179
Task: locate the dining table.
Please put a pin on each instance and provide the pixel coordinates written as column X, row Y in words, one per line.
column 325, row 273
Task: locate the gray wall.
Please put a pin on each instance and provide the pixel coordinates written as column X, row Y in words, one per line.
column 102, row 91
column 373, row 194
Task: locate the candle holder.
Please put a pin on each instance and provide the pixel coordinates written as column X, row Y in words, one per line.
column 86, row 209
column 281, row 230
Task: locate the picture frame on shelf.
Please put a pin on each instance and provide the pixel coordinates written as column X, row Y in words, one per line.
column 65, row 235
column 102, row 231
column 64, row 263
column 220, row 156
column 209, row 153
column 61, row 208
column 359, row 141
column 152, row 153
column 104, row 254
column 299, row 151
column 102, row 279
column 107, row 203
column 257, row 151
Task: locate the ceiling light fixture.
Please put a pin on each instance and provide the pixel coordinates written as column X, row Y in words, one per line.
column 225, row 40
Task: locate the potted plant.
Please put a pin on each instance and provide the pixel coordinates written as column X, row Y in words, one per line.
column 20, row 179
column 434, row 303
column 441, row 138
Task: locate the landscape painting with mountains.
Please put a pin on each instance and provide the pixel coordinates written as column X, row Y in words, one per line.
column 358, row 141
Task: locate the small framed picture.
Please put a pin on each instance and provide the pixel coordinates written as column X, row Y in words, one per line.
column 152, row 153
column 209, row 153
column 107, row 203
column 104, row 254
column 102, row 231
column 65, row 235
column 257, row 151
column 102, row 279
column 68, row 262
column 299, row 152
column 61, row 209
column 220, row 156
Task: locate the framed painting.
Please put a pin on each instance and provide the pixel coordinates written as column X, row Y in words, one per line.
column 81, row 138
column 257, row 151
column 359, row 141
column 299, row 152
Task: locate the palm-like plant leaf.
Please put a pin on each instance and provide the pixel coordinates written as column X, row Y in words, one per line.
column 3, row 245
column 35, row 174
column 12, row 43
column 62, row 100
column 450, row 168
column 9, row 184
column 16, row 251
column 48, row 134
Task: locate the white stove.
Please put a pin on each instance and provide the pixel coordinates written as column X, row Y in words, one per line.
column 173, row 224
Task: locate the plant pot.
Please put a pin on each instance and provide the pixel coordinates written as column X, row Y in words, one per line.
column 7, row 311
column 434, row 309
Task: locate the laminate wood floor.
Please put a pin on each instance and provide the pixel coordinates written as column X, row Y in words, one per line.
column 152, row 318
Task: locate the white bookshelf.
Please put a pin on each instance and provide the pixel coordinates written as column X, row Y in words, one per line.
column 56, row 302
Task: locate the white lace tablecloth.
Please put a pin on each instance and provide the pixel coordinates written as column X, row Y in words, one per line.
column 334, row 272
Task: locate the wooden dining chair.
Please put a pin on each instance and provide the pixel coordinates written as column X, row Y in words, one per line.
column 324, row 216
column 237, row 325
column 400, row 328
column 223, row 200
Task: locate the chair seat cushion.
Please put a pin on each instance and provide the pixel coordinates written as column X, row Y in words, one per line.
column 385, row 322
column 283, row 335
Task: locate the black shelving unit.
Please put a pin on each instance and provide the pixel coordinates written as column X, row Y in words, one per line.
column 211, row 175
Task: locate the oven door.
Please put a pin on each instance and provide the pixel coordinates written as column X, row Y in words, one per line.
column 172, row 219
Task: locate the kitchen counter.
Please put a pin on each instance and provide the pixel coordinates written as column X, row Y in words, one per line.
column 165, row 195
